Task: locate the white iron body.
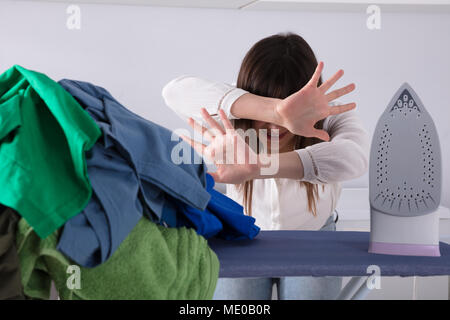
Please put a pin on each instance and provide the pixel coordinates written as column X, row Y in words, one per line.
column 411, row 236
column 405, row 179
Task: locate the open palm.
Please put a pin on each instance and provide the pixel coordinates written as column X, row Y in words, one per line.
column 300, row 111
column 235, row 161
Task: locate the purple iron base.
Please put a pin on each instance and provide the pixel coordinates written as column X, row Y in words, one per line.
column 404, row 249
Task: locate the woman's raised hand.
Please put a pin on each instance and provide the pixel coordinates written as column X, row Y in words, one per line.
column 235, row 161
column 300, row 111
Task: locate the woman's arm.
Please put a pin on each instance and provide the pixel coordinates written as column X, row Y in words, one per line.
column 344, row 157
column 298, row 113
column 187, row 95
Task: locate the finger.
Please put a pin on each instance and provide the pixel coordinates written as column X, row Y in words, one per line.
column 321, row 134
column 340, row 92
column 225, row 121
column 342, row 108
column 212, row 123
column 316, row 76
column 199, row 147
column 330, row 82
column 201, row 129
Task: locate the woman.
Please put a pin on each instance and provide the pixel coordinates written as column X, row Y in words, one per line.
column 320, row 144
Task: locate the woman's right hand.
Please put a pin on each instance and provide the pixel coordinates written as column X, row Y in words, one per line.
column 300, row 111
column 235, row 161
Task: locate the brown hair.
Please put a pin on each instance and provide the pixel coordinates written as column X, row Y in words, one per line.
column 278, row 66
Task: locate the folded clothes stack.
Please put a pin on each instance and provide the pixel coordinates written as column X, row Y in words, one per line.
column 95, row 186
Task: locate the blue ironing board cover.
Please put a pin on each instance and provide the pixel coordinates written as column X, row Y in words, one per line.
column 313, row 253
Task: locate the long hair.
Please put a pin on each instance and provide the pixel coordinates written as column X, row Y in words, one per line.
column 278, row 66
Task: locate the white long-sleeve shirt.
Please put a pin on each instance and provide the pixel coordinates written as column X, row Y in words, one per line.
column 279, row 203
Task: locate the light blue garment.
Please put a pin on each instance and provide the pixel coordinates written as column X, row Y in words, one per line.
column 131, row 171
column 288, row 288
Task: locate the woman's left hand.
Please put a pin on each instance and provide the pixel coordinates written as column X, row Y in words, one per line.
column 300, row 111
column 235, row 161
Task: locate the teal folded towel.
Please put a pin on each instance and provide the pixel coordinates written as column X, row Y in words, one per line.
column 153, row 262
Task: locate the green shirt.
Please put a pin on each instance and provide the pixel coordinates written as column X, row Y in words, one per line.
column 153, row 262
column 44, row 134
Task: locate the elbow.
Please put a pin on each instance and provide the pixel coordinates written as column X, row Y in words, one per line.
column 171, row 90
column 353, row 165
column 168, row 92
column 356, row 156
column 363, row 152
column 362, row 164
column 358, row 160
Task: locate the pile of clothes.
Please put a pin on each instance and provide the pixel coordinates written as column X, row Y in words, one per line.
column 86, row 182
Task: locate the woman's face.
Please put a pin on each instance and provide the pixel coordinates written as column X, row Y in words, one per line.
column 285, row 137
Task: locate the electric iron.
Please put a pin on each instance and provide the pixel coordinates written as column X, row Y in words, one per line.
column 405, row 179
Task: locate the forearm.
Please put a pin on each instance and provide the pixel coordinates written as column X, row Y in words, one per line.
column 186, row 95
column 286, row 165
column 254, row 107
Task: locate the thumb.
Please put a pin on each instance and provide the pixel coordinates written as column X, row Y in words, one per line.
column 321, row 134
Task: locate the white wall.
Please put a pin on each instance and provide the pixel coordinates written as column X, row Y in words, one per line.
column 133, row 51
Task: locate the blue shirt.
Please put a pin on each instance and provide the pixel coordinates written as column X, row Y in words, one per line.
column 131, row 172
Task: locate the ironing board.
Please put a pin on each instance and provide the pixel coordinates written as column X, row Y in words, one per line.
column 320, row 254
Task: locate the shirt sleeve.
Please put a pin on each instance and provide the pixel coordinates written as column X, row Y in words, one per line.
column 344, row 157
column 186, row 95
